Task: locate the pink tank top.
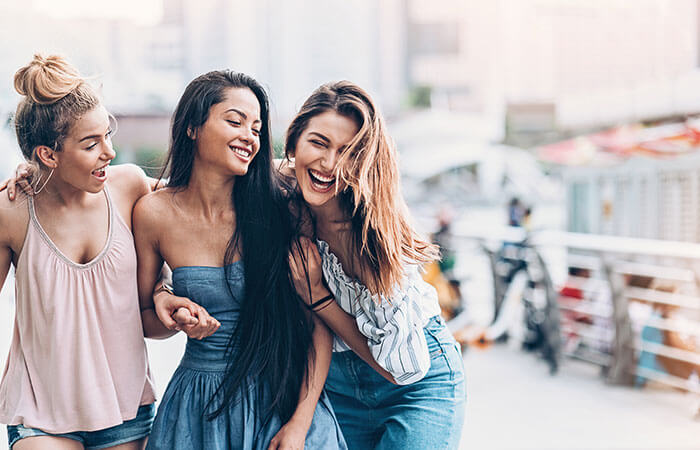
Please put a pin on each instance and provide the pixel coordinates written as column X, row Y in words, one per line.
column 78, row 359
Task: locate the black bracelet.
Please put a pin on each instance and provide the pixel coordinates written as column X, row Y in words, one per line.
column 314, row 306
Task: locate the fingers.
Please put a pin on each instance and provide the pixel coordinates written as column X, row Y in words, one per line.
column 166, row 305
column 183, row 317
column 11, row 188
column 24, row 185
column 206, row 325
column 22, row 180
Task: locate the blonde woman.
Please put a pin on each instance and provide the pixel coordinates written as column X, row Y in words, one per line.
column 77, row 374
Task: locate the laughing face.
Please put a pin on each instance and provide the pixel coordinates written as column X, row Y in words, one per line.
column 316, row 155
column 230, row 138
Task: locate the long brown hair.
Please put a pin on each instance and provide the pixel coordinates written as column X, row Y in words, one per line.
column 368, row 183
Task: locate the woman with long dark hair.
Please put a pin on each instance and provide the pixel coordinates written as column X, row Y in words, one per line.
column 223, row 227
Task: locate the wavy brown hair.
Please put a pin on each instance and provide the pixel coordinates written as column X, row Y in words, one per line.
column 368, row 184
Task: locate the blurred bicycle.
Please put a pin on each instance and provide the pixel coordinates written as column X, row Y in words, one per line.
column 524, row 296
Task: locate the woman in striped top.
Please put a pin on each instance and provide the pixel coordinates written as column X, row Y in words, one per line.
column 347, row 185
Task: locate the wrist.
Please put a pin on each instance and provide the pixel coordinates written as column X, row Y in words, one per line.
column 301, row 420
column 319, row 291
column 161, row 290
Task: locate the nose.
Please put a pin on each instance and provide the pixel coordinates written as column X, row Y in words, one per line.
column 247, row 135
column 109, row 152
column 330, row 160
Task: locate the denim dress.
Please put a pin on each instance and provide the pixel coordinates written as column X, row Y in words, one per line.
column 181, row 421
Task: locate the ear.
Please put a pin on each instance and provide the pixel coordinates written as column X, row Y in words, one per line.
column 47, row 156
column 192, row 133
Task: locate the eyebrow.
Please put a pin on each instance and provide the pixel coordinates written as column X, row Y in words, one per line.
column 94, row 136
column 320, row 136
column 242, row 114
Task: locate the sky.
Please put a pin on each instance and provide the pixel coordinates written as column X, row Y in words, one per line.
column 143, row 12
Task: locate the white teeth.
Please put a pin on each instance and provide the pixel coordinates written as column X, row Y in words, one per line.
column 239, row 151
column 321, row 178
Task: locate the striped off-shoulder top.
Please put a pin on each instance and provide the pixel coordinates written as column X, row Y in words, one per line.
column 393, row 326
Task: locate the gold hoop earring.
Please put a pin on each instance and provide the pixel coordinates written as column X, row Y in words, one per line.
column 45, row 182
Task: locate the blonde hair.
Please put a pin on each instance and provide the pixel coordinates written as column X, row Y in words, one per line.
column 369, row 182
column 54, row 97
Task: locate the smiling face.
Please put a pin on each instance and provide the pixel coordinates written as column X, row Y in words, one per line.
column 85, row 153
column 316, row 155
column 230, row 137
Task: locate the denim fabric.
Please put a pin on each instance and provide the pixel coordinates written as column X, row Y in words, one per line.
column 137, row 428
column 181, row 422
column 376, row 414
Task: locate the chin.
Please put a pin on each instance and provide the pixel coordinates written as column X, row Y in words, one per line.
column 315, row 199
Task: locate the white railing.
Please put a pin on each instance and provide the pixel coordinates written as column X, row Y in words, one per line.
column 616, row 261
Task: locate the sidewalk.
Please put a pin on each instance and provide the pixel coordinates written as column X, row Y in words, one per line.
column 512, row 403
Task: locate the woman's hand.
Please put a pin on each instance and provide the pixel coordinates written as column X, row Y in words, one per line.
column 291, row 436
column 306, row 270
column 181, row 313
column 22, row 179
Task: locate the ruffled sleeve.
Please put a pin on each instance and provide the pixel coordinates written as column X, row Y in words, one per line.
column 393, row 326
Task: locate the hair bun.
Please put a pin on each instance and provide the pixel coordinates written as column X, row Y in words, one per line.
column 48, row 79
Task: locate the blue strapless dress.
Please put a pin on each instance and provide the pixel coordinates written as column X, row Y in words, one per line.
column 181, row 421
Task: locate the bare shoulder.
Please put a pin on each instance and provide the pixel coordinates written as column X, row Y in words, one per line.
column 14, row 216
column 153, row 207
column 130, row 180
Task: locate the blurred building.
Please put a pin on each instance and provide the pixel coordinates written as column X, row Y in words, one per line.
column 547, row 66
column 633, row 181
column 531, row 70
column 293, row 47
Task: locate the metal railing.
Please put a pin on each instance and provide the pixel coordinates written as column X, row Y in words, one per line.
column 611, row 292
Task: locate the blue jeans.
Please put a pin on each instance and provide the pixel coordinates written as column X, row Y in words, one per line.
column 376, row 414
column 132, row 430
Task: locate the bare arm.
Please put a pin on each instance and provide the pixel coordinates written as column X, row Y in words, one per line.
column 149, row 266
column 345, row 326
column 342, row 323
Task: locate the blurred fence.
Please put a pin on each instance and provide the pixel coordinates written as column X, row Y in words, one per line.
column 630, row 306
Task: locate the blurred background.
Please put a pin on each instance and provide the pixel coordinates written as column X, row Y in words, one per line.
column 551, row 147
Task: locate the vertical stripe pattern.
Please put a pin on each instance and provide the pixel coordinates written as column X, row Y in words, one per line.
column 393, row 326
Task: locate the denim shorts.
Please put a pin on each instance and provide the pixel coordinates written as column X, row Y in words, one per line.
column 137, row 428
column 374, row 413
